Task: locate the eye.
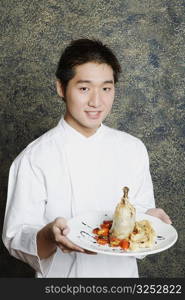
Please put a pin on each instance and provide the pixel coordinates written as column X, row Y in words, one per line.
column 84, row 89
column 107, row 89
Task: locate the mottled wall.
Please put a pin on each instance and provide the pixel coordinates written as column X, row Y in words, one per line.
column 147, row 36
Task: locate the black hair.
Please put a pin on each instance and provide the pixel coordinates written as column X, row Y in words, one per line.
column 82, row 51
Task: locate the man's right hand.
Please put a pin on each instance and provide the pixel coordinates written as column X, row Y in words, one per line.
column 58, row 234
column 55, row 234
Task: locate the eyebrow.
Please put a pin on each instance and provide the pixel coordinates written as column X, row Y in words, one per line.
column 88, row 81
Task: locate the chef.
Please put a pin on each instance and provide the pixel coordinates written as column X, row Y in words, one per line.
column 79, row 165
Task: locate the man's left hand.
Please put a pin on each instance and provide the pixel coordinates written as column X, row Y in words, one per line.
column 159, row 213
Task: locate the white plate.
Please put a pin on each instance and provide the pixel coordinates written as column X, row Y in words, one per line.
column 81, row 234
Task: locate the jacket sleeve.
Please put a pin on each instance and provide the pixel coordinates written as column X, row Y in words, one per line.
column 24, row 215
column 143, row 198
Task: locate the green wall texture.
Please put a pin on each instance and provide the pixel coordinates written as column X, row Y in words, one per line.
column 147, row 37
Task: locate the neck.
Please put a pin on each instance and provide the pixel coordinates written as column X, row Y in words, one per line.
column 87, row 132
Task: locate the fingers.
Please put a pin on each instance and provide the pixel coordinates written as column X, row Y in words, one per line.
column 164, row 217
column 90, row 252
column 65, row 230
column 66, row 250
column 60, row 231
column 61, row 224
column 159, row 213
column 67, row 247
column 64, row 242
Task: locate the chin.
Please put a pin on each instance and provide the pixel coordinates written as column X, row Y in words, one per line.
column 94, row 126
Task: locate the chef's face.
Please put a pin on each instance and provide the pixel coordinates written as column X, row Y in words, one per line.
column 89, row 96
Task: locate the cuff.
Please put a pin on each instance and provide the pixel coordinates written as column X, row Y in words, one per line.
column 24, row 247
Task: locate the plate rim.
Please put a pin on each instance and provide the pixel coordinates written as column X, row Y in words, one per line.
column 125, row 253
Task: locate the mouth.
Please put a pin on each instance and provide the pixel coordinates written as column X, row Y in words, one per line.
column 93, row 114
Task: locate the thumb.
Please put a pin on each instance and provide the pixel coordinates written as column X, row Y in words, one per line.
column 61, row 223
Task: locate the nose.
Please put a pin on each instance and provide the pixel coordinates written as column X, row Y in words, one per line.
column 95, row 99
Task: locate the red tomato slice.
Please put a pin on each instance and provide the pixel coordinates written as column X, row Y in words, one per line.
column 95, row 230
column 102, row 241
column 124, row 244
column 103, row 231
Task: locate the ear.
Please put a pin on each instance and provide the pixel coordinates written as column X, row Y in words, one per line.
column 60, row 88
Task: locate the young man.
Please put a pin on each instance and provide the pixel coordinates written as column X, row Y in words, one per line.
column 79, row 165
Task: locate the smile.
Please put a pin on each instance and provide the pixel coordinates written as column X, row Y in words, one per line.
column 93, row 114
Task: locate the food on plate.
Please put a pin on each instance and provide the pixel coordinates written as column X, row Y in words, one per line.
column 143, row 236
column 124, row 217
column 124, row 231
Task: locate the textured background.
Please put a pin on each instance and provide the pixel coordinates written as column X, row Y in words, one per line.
column 147, row 37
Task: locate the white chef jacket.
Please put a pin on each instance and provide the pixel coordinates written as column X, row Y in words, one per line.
column 63, row 173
